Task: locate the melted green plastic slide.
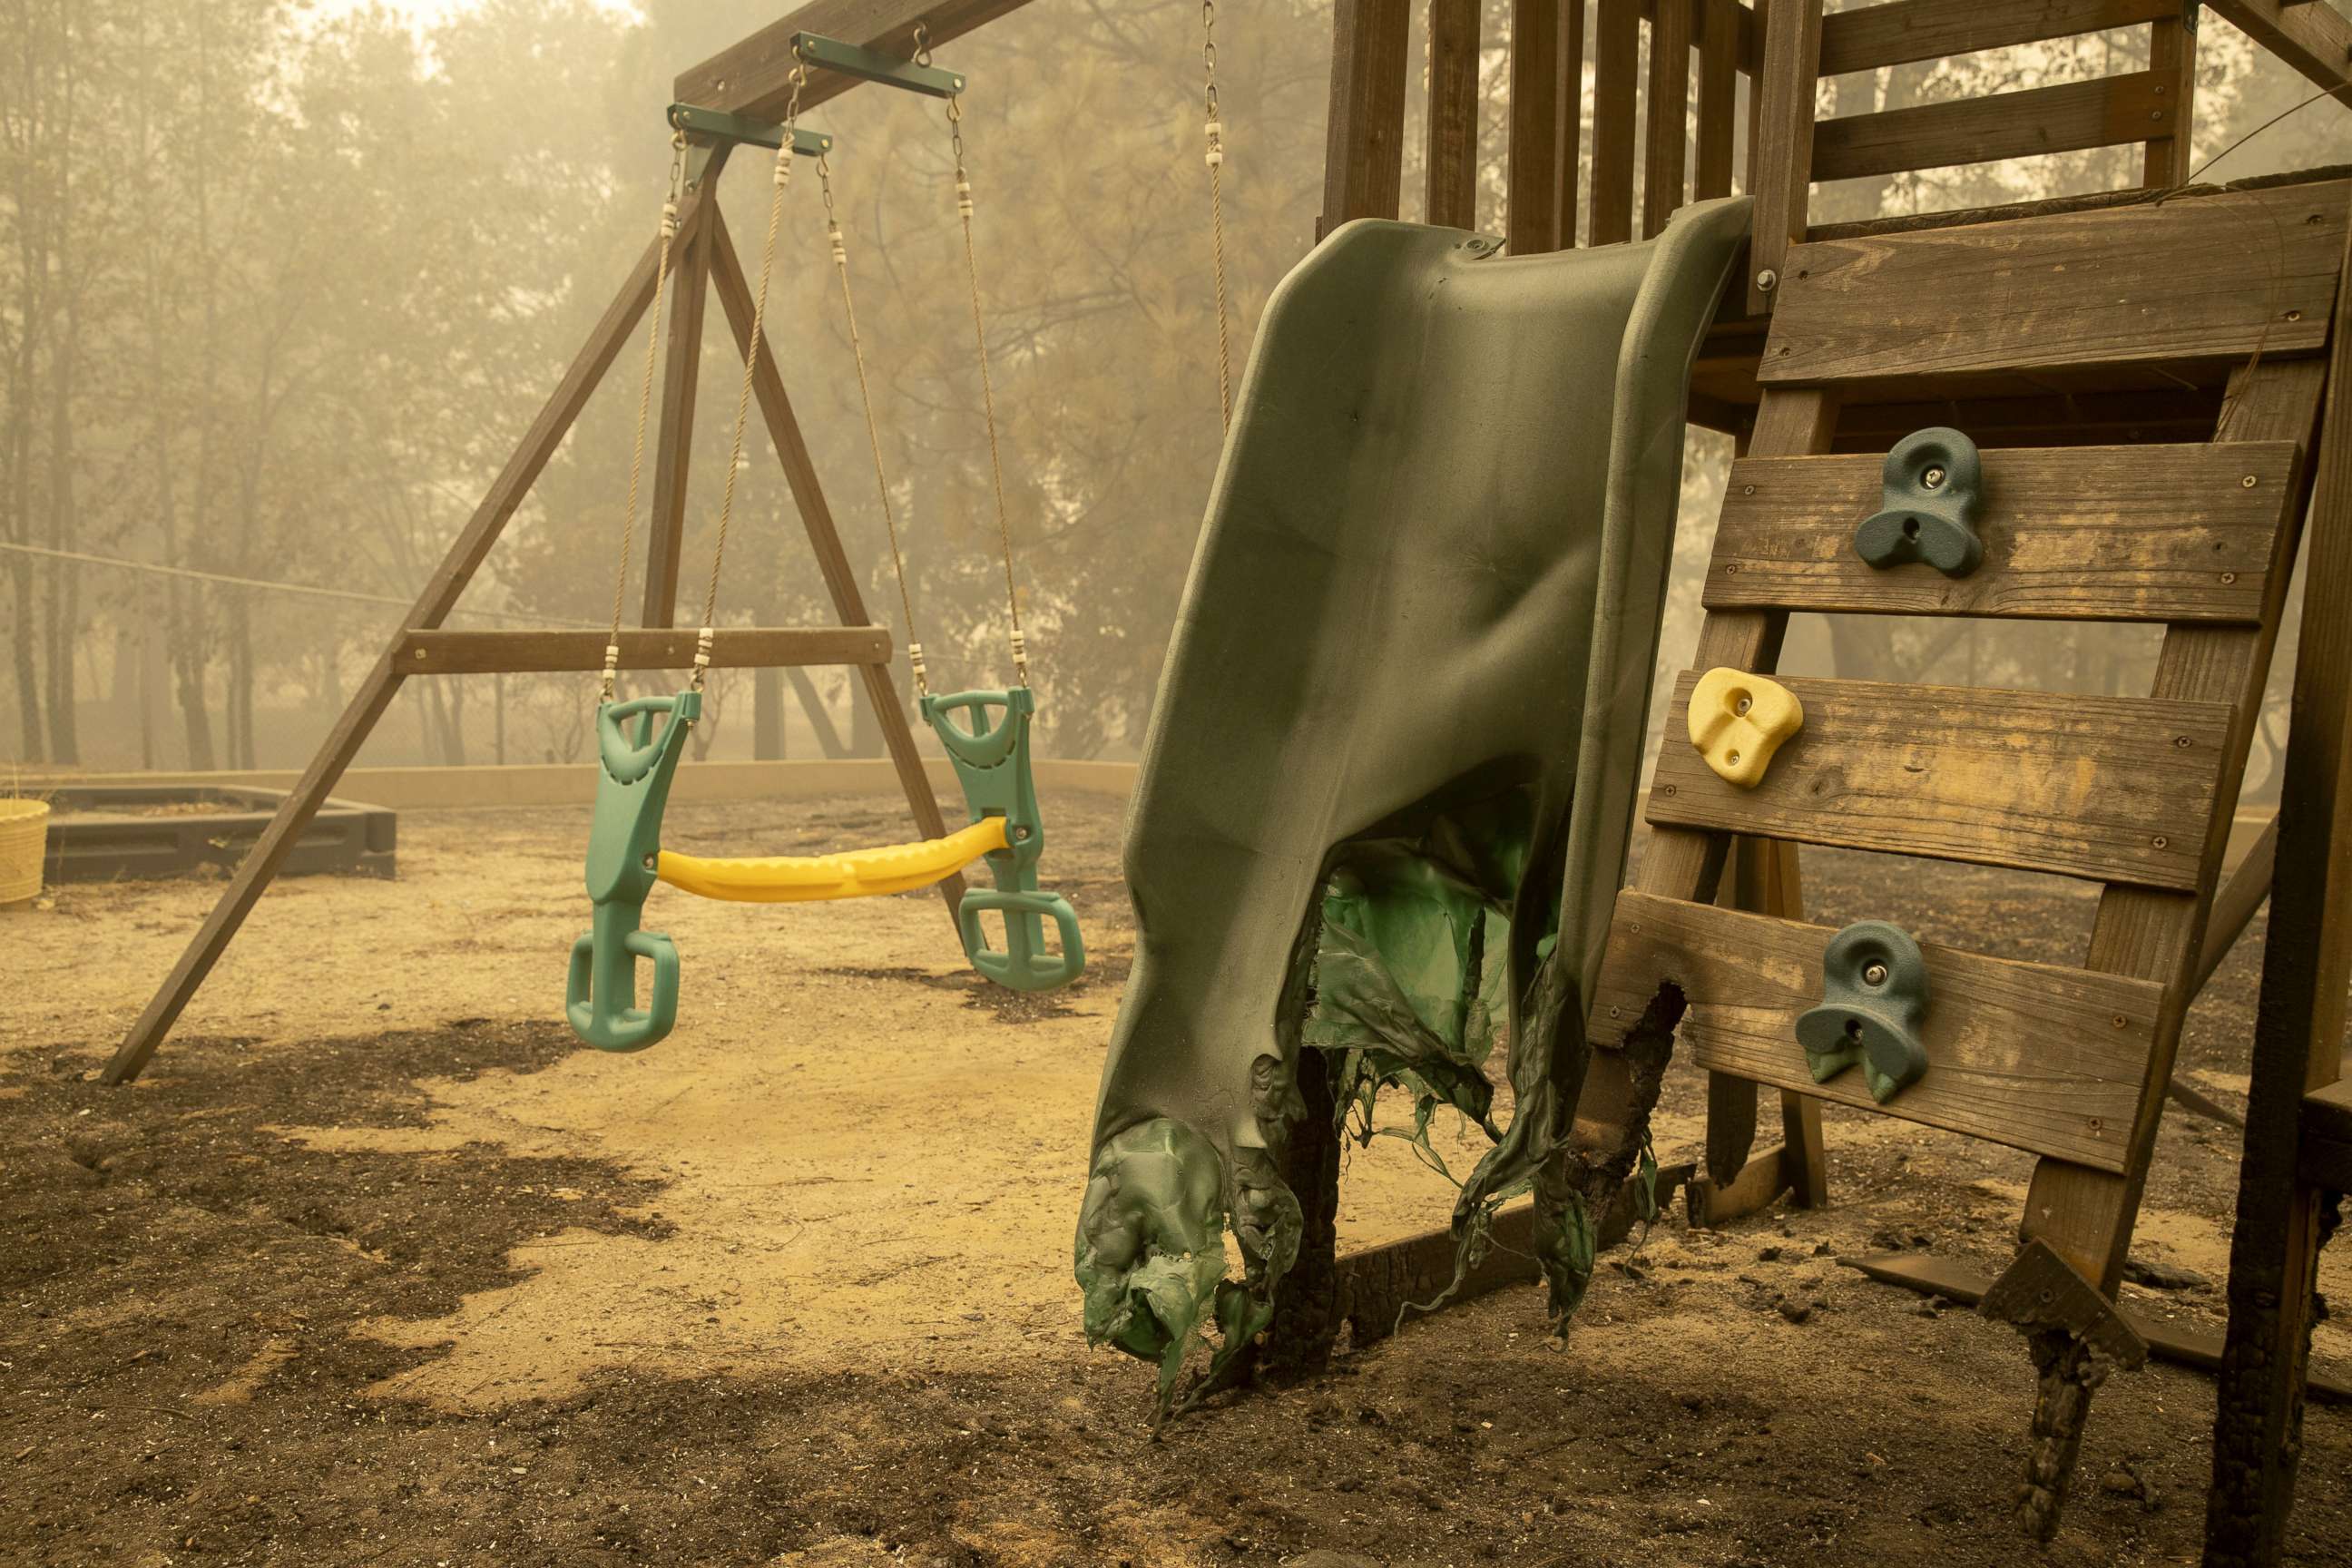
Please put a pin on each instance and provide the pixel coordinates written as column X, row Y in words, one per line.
column 1392, row 769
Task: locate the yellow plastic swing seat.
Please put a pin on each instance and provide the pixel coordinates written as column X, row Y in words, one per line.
column 809, row 878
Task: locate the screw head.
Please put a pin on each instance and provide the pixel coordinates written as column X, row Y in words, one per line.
column 1743, row 705
column 648, row 862
column 1933, row 479
column 2227, row 578
column 2160, row 841
column 1767, row 281
column 1875, row 975
column 2247, row 482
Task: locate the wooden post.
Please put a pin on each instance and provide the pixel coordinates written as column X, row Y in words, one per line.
column 1782, row 151
column 1363, row 144
column 382, row 682
column 1718, row 101
column 1571, row 118
column 1664, row 156
column 2298, row 1029
column 1616, row 71
column 2172, row 53
column 1532, row 217
column 1451, row 159
column 833, row 562
column 682, row 361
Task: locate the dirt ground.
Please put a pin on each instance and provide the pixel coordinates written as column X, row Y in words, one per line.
column 376, row 1266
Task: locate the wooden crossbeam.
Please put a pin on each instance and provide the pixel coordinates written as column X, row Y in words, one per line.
column 733, row 648
column 754, row 77
column 2308, row 35
column 1876, row 35
column 2183, row 532
column 2105, row 112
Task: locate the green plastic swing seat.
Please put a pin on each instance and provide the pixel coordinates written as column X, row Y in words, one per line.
column 1392, row 763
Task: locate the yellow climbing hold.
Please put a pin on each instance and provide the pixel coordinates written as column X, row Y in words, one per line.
column 859, row 874
column 1737, row 722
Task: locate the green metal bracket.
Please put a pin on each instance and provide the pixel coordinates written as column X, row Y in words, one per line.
column 870, row 64
column 992, row 763
column 1932, row 491
column 624, row 847
column 716, row 125
column 1873, row 1006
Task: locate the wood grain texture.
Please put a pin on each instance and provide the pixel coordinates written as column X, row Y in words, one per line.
column 753, row 77
column 2200, row 277
column 1718, row 99
column 1532, row 218
column 2110, row 789
column 1666, row 158
column 1781, row 144
column 2027, row 1055
column 1874, row 36
column 1363, row 134
column 735, row 647
column 2172, row 60
column 1452, row 154
column 2104, row 112
column 2124, row 533
column 681, row 377
column 1616, row 84
column 2316, row 40
column 1567, row 159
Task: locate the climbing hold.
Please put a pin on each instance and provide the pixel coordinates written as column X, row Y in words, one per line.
column 1737, row 722
column 1873, row 1005
column 1934, row 491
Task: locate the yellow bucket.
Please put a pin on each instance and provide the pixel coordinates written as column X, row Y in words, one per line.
column 24, row 841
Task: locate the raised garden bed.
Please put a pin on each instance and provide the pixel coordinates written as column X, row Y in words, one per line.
column 99, row 832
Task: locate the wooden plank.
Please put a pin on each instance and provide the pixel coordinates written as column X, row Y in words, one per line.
column 1665, row 137
column 681, row 365
column 1718, row 99
column 1452, row 155
column 2324, row 1159
column 1875, row 36
column 2199, row 278
column 753, row 77
column 1363, row 138
column 2123, row 533
column 2299, row 1028
column 381, row 683
column 824, row 540
column 734, row 648
column 1616, row 83
column 1711, row 1204
column 2035, row 1056
column 2184, row 1344
column 2172, row 60
column 2148, row 934
column 2312, row 38
column 2233, row 907
column 2110, row 789
column 1532, row 218
column 1782, row 145
column 2066, row 118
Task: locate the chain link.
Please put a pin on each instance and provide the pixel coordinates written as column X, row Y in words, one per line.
column 645, row 404
column 1214, row 129
column 873, row 430
column 980, row 345
column 783, row 181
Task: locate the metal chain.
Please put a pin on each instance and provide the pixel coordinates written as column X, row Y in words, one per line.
column 645, row 404
column 980, row 344
column 784, row 179
column 1215, row 130
column 873, row 431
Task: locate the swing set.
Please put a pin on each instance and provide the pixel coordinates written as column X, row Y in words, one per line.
column 988, row 748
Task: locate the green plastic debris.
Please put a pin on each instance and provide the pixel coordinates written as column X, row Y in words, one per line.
column 623, row 845
column 1427, row 592
column 991, row 761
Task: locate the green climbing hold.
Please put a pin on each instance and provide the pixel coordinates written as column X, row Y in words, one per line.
column 1933, row 491
column 1874, row 1007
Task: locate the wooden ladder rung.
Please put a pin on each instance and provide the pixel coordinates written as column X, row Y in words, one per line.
column 2035, row 1056
column 1876, row 35
column 745, row 648
column 2165, row 533
column 2108, row 789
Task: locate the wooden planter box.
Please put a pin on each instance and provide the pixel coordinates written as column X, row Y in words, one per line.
column 99, row 833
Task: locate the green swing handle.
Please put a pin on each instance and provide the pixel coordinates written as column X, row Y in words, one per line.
column 628, row 762
column 600, row 993
column 1023, row 964
column 977, row 743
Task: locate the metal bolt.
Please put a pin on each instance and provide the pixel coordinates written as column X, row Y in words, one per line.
column 1933, row 479
column 2247, row 483
column 1747, row 490
column 1665, row 789
column 1615, row 1012
column 1743, row 705
column 2295, row 315
column 2229, row 577
column 2121, row 1021
column 2160, row 841
column 2182, row 741
column 648, row 862
column 1732, row 758
column 1875, row 975
column 420, row 656
column 1767, row 281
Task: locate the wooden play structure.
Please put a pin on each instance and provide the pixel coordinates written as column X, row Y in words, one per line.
column 2162, row 400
